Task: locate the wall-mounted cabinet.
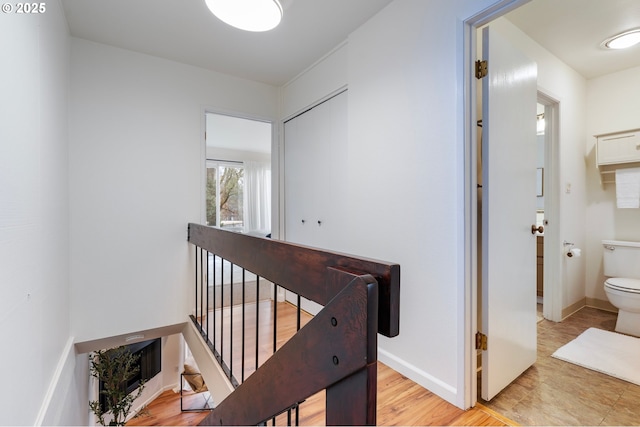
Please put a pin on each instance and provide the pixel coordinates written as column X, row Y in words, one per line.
column 617, row 150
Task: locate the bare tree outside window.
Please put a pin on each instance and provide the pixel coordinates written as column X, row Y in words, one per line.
column 225, row 196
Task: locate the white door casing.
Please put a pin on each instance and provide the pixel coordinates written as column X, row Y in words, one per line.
column 508, row 213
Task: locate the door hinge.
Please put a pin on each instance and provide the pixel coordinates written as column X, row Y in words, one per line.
column 481, row 69
column 481, row 341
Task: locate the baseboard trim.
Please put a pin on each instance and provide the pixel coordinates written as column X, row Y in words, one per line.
column 601, row 305
column 588, row 302
column 569, row 310
column 420, row 377
column 66, row 363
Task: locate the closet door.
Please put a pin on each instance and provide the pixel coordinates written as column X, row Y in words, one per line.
column 315, row 145
column 315, row 166
column 296, row 178
column 332, row 152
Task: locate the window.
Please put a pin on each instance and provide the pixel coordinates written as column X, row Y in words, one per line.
column 238, row 173
column 225, row 195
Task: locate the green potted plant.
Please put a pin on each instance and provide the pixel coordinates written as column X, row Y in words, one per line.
column 114, row 368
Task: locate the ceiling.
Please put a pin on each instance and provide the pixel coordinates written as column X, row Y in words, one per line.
column 574, row 29
column 236, row 133
column 185, row 31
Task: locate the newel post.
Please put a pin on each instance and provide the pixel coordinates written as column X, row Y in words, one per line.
column 353, row 400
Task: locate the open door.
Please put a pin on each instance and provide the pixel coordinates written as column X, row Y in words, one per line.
column 508, row 280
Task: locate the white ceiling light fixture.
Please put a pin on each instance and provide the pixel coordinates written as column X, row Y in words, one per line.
column 623, row 40
column 248, row 15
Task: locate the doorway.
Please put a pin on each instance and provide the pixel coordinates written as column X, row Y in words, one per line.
column 237, row 193
column 549, row 145
column 540, row 221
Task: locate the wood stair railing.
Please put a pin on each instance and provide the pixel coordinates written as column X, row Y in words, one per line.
column 336, row 351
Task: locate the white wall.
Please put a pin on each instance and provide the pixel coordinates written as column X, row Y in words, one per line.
column 326, row 76
column 136, row 173
column 404, row 186
column 613, row 104
column 34, row 220
column 67, row 399
column 407, row 147
column 405, row 179
column 168, row 378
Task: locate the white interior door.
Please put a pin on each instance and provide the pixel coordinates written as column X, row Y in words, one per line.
column 508, row 285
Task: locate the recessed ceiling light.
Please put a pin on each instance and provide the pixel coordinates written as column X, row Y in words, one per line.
column 248, row 15
column 623, row 40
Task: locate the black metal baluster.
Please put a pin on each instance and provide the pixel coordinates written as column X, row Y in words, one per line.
column 207, row 303
column 299, row 311
column 275, row 315
column 201, row 290
column 243, row 325
column 289, row 417
column 298, row 322
column 257, row 316
column 213, row 321
column 231, row 324
column 222, row 311
column 195, row 302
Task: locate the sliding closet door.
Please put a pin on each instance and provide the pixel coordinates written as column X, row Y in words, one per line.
column 315, row 166
column 315, row 178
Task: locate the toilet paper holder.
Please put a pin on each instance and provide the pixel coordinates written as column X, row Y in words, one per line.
column 571, row 251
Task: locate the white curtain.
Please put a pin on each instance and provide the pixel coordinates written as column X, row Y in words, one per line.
column 257, row 197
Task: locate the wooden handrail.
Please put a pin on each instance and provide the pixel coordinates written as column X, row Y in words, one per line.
column 335, row 351
column 302, row 269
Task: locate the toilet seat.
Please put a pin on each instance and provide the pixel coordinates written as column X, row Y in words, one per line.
column 623, row 284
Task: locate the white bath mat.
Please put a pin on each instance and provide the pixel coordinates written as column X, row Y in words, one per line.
column 608, row 352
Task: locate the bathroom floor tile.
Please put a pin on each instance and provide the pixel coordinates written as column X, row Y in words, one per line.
column 625, row 411
column 548, row 405
column 554, row 392
column 506, row 400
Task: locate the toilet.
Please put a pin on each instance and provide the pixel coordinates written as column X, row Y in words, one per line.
column 622, row 269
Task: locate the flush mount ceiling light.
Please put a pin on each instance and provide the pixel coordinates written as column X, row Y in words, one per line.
column 248, row 15
column 623, row 40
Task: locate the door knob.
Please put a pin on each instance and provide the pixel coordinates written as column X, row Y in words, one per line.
column 539, row 229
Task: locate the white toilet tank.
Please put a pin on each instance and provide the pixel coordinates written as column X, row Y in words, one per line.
column 621, row 259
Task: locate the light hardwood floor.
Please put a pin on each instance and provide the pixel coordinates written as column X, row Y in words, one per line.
column 551, row 392
column 400, row 400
